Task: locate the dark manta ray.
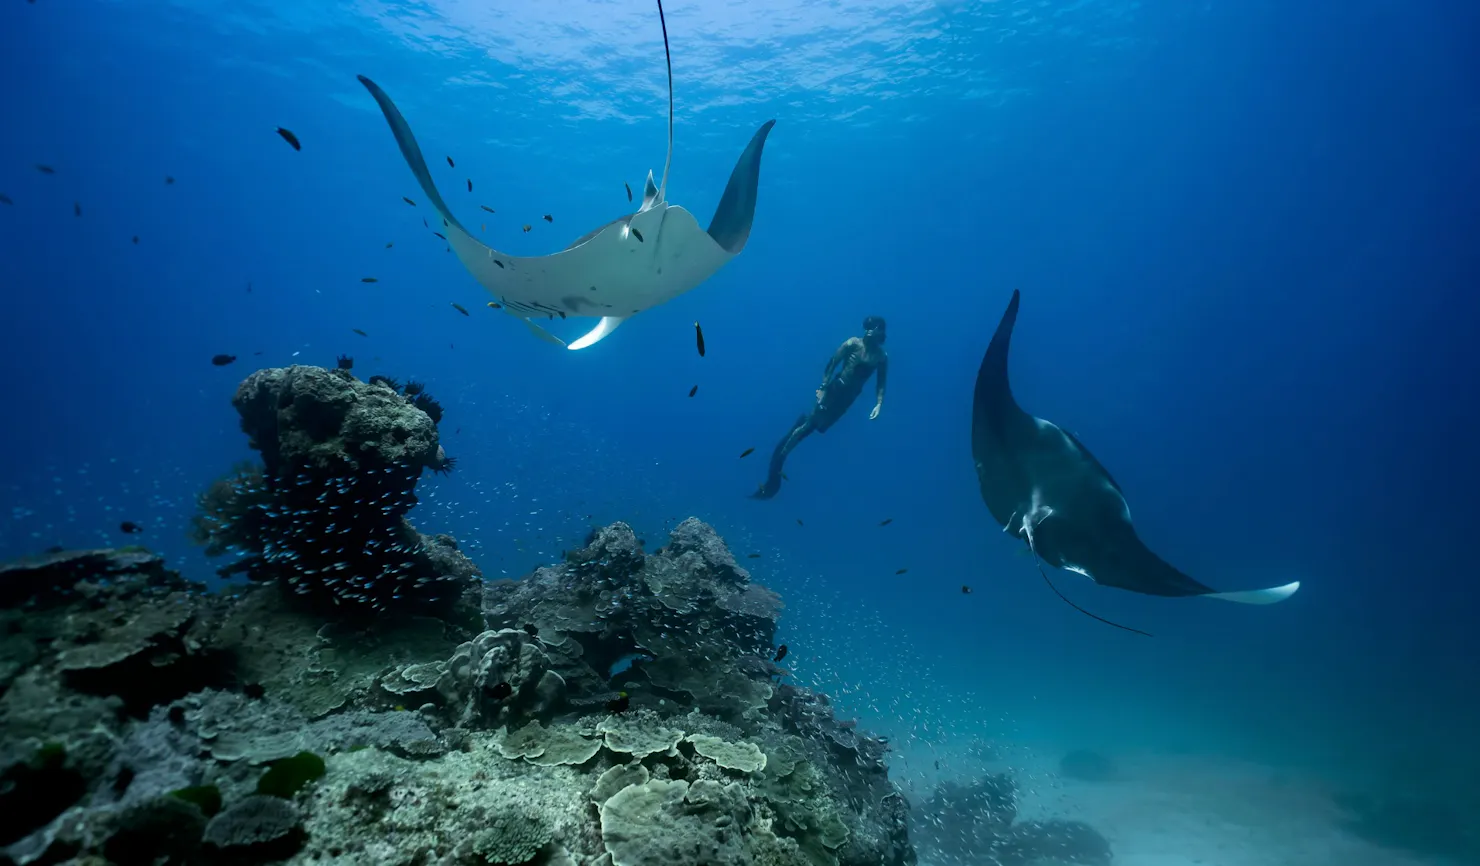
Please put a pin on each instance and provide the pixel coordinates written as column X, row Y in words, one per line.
column 631, row 264
column 1042, row 485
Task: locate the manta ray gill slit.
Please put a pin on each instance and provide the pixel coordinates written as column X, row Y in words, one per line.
column 1027, row 531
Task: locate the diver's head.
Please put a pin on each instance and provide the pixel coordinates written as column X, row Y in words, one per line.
column 873, row 329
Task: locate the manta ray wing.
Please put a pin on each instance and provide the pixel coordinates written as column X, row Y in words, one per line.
column 1036, row 479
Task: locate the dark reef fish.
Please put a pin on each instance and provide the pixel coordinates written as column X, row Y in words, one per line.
column 629, row 190
column 780, row 653
column 549, row 219
column 168, row 180
column 965, row 590
column 620, row 703
column 222, row 360
column 1043, row 486
column 345, row 362
column 289, row 137
column 46, row 169
column 501, row 691
column 886, row 521
column 694, row 390
column 901, row 571
column 470, row 184
column 450, row 163
column 747, row 452
column 360, row 332
column 5, row 199
column 369, row 279
column 440, row 235
column 637, row 234
column 129, row 527
column 77, row 208
column 408, row 201
column 699, row 339
column 461, row 309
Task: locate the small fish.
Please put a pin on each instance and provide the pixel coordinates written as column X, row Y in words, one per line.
column 501, row 691
column 527, row 227
column 753, row 556
column 46, row 169
column 360, row 332
column 470, row 184
column 799, row 522
column 499, row 263
column 901, row 571
column 136, row 240
column 487, row 208
column 937, row 764
column 694, row 390
column 256, row 353
column 747, row 452
column 450, row 163
column 424, row 223
column 130, row 527
column 637, row 234
column 965, row 590
column 5, row 199
column 440, row 235
column 529, row 627
column 493, row 306
column 780, row 653
column 886, row 521
column 249, row 288
column 345, row 362
column 389, row 244
column 629, row 190
column 369, row 280
column 222, row 360
column 483, row 227
column 549, row 219
column 77, row 208
column 408, row 201
column 168, row 180
column 699, row 338
column 461, row 309
column 620, row 703
column 290, row 138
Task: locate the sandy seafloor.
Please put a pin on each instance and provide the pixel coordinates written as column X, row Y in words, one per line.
column 1199, row 811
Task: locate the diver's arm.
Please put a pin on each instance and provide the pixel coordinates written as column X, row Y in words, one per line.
column 881, row 377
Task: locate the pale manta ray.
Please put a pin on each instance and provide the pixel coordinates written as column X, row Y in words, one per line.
column 1045, row 487
column 631, row 264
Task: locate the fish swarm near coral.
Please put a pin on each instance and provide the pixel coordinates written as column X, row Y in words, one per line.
column 325, row 513
column 434, row 745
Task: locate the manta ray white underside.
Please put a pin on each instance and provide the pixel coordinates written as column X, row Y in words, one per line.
column 631, row 264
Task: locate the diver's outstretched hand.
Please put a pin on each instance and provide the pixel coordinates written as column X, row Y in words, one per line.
column 874, row 414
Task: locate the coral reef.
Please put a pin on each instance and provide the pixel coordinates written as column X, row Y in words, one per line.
column 618, row 708
column 325, row 513
column 977, row 824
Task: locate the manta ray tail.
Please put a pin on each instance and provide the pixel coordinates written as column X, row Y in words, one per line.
column 1065, row 599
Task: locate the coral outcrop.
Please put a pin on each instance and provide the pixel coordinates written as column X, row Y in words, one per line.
column 977, row 824
column 325, row 514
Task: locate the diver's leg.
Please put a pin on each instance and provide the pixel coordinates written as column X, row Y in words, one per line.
column 799, row 431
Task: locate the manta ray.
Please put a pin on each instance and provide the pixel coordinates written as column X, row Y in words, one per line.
column 633, row 263
column 1042, row 485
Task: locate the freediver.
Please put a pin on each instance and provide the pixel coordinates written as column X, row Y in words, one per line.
column 842, row 381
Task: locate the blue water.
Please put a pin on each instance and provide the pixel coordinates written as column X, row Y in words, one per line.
column 1244, row 233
